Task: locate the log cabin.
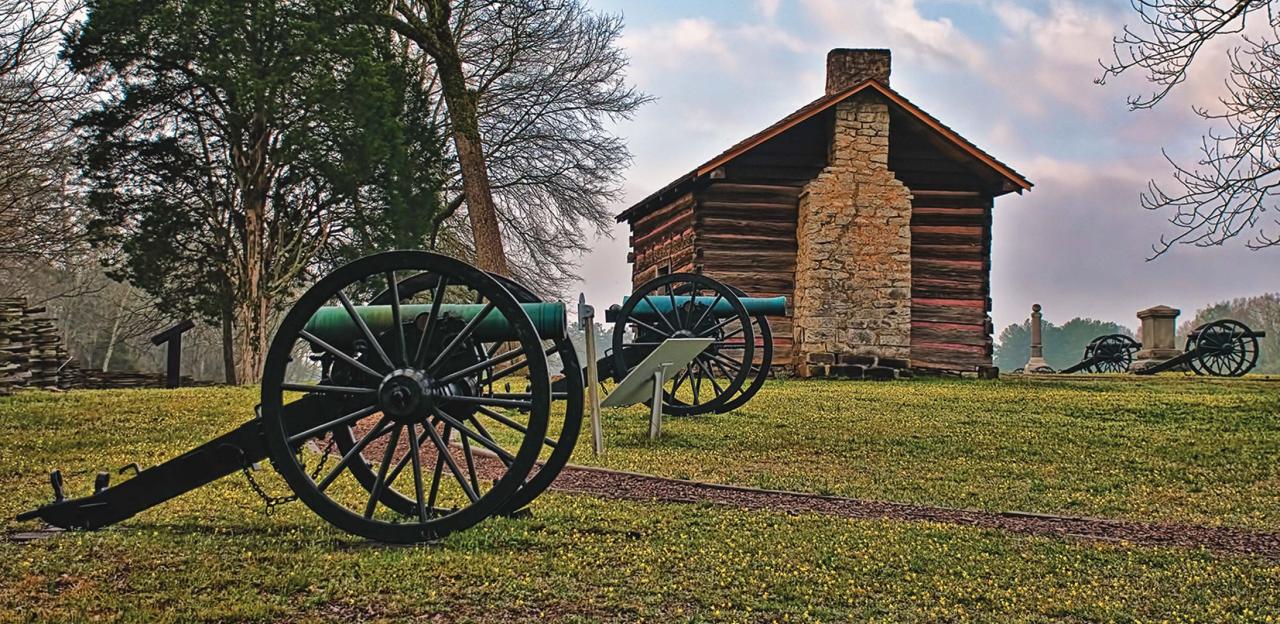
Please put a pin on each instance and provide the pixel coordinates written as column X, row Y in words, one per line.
column 871, row 216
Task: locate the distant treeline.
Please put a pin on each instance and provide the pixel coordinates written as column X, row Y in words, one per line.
column 1063, row 344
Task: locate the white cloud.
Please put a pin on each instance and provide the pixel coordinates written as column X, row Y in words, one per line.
column 768, row 8
column 898, row 25
column 673, row 45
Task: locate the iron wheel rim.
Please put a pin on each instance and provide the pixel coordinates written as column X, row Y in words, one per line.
column 283, row 445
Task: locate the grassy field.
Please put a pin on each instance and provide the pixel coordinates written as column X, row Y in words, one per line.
column 214, row 555
column 1169, row 449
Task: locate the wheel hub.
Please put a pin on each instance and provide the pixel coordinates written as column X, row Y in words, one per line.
column 406, row 395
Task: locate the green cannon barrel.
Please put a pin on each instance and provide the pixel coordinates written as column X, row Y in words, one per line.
column 756, row 306
column 332, row 324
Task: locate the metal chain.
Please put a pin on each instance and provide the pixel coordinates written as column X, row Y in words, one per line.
column 271, row 502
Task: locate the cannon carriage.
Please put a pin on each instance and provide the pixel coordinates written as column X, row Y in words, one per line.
column 447, row 395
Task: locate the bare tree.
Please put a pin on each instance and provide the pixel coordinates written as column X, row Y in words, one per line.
column 39, row 98
column 544, row 78
column 1235, row 181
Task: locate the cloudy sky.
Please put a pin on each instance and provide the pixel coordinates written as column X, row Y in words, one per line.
column 1014, row 77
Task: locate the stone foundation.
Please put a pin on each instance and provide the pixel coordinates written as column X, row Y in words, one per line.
column 853, row 264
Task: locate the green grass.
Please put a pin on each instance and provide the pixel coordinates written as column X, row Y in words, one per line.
column 214, row 555
column 1166, row 449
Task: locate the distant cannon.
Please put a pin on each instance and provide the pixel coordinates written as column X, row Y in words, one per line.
column 1223, row 348
column 687, row 305
column 1112, row 353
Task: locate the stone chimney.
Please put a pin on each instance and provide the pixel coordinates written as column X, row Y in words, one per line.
column 849, row 66
column 853, row 236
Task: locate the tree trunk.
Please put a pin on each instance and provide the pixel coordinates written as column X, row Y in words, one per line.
column 228, row 344
column 115, row 330
column 465, row 118
column 252, row 305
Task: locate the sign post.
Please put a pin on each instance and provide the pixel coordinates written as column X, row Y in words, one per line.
column 672, row 354
column 173, row 364
column 587, row 323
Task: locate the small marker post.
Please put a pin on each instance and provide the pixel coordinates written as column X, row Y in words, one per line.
column 586, row 322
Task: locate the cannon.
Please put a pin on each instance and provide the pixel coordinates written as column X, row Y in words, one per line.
column 394, row 419
column 687, row 305
column 445, row 396
column 1111, row 353
column 1222, row 348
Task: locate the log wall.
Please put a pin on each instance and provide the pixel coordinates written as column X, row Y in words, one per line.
column 662, row 241
column 950, row 253
column 746, row 237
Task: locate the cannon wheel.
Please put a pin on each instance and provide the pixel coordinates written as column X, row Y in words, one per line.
column 1117, row 349
column 409, row 392
column 711, row 385
column 764, row 342
column 1224, row 348
column 567, row 401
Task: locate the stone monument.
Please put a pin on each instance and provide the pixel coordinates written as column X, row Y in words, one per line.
column 1159, row 332
column 1036, row 364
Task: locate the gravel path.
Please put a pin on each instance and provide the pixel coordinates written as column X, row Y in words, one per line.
column 633, row 486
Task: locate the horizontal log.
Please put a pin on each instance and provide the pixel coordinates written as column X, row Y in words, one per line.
column 961, row 314
column 684, row 202
column 948, row 252
column 973, row 291
column 779, row 262
column 765, row 209
column 943, row 210
column 969, row 231
column 931, row 263
column 975, row 336
column 945, row 238
column 760, row 193
column 949, row 273
column 927, row 218
column 948, row 302
column 755, row 281
column 973, row 288
column 947, row 326
column 931, row 350
column 717, row 243
column 677, row 226
column 966, row 365
column 747, row 227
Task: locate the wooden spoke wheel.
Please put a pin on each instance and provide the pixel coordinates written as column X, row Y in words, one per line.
column 412, row 398
column 761, row 363
column 687, row 305
column 1223, row 348
column 566, row 406
column 1114, row 353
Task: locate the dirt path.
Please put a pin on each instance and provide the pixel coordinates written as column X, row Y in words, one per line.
column 633, row 486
